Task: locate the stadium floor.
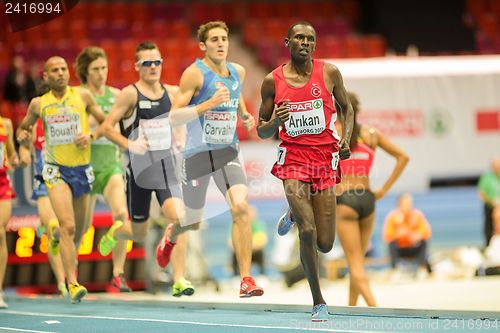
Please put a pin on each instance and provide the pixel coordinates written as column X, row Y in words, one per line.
column 423, row 306
column 43, row 314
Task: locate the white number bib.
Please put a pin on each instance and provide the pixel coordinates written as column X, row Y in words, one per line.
column 63, row 127
column 306, row 118
column 50, row 172
column 89, row 172
column 2, row 153
column 219, row 127
column 335, row 160
column 157, row 132
column 281, row 155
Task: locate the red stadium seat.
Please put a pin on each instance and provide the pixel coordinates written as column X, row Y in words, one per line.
column 55, row 30
column 138, row 31
column 111, row 48
column 118, row 11
column 354, row 47
column 251, row 31
column 171, row 49
column 329, row 47
column 97, row 11
column 495, row 8
column 139, row 11
column 476, row 7
column 374, row 46
column 158, row 29
column 179, row 29
column 33, row 35
column 489, row 25
column 168, row 11
column 283, row 9
column 98, row 30
column 274, row 30
column 127, row 49
column 260, row 9
column 77, row 30
column 350, row 10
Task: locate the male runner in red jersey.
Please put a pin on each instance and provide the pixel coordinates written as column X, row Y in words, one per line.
column 297, row 97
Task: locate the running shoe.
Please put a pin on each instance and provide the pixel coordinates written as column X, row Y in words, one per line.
column 108, row 241
column 164, row 248
column 63, row 291
column 182, row 287
column 54, row 236
column 320, row 313
column 76, row 293
column 285, row 223
column 120, row 283
column 40, row 230
column 248, row 288
column 3, row 305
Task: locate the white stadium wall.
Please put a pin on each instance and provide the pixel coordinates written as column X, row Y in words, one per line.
column 444, row 111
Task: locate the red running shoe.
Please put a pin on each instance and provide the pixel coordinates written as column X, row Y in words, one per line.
column 248, row 288
column 163, row 252
column 120, row 283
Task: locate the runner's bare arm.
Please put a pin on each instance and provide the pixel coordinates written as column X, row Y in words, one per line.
column 125, row 102
column 11, row 149
column 401, row 161
column 178, row 132
column 267, row 126
column 23, row 133
column 191, row 82
column 247, row 118
column 92, row 107
column 334, row 77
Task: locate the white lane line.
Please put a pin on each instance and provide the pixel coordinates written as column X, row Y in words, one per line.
column 21, row 330
column 300, row 326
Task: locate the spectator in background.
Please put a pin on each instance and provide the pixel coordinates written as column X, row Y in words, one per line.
column 489, row 192
column 407, row 232
column 492, row 252
column 19, row 86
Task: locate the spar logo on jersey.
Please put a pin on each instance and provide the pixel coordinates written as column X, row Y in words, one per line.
column 316, row 90
column 223, row 116
column 61, row 118
column 306, row 117
column 219, row 84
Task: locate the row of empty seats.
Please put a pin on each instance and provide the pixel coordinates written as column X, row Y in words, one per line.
column 119, row 26
column 485, row 18
column 271, row 54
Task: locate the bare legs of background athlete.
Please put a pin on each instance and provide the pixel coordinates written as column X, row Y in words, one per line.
column 49, row 220
column 354, row 232
column 114, row 196
column 5, row 213
column 71, row 212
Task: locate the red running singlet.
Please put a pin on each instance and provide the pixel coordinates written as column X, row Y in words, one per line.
column 360, row 162
column 312, row 111
column 309, row 148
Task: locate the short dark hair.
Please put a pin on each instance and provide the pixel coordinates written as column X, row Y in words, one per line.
column 84, row 60
column 147, row 45
column 288, row 35
column 205, row 28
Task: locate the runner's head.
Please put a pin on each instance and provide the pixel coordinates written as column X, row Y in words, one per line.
column 55, row 73
column 301, row 40
column 214, row 40
column 148, row 61
column 92, row 66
